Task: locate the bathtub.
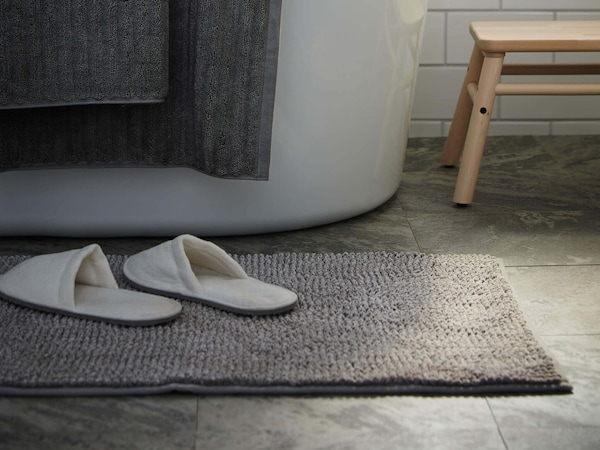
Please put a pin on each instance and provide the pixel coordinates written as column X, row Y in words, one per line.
column 346, row 76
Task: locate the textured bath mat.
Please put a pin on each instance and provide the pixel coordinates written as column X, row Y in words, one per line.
column 366, row 323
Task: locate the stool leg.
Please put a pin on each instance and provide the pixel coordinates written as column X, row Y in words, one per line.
column 458, row 129
column 478, row 128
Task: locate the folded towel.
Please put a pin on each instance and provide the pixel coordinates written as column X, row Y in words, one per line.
column 217, row 118
column 69, row 52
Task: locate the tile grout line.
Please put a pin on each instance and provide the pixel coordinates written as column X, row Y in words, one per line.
column 413, row 234
column 487, row 401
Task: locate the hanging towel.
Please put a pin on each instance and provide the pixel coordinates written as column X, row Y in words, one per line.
column 70, row 52
column 216, row 119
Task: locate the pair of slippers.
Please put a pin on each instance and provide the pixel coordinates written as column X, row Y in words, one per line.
column 80, row 283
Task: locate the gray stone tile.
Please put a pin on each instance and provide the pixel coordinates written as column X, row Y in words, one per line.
column 579, row 359
column 431, row 192
column 576, row 438
column 550, row 173
column 577, row 155
column 559, row 300
column 345, row 423
column 383, row 229
column 158, row 422
column 517, row 173
column 520, row 238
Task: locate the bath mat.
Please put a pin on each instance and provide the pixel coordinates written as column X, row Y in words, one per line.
column 366, row 323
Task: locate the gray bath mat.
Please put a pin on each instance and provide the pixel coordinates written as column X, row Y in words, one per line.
column 366, row 323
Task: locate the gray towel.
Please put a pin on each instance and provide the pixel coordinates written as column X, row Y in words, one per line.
column 69, row 52
column 217, row 117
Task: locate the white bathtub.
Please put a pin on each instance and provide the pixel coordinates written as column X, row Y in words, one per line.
column 344, row 93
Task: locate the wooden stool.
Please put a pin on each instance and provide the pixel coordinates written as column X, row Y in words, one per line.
column 482, row 83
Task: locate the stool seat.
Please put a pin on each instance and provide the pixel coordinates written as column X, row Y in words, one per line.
column 481, row 85
column 537, row 36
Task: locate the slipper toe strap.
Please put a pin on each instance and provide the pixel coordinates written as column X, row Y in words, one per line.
column 49, row 280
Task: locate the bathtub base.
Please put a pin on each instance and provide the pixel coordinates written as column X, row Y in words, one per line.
column 346, row 76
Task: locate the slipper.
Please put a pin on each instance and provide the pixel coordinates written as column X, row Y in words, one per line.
column 190, row 268
column 80, row 283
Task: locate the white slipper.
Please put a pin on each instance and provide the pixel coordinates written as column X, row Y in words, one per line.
column 193, row 269
column 80, row 283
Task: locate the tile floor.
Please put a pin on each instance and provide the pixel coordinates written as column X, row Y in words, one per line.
column 537, row 206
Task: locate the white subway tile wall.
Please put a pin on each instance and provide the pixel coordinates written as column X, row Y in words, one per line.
column 447, row 47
